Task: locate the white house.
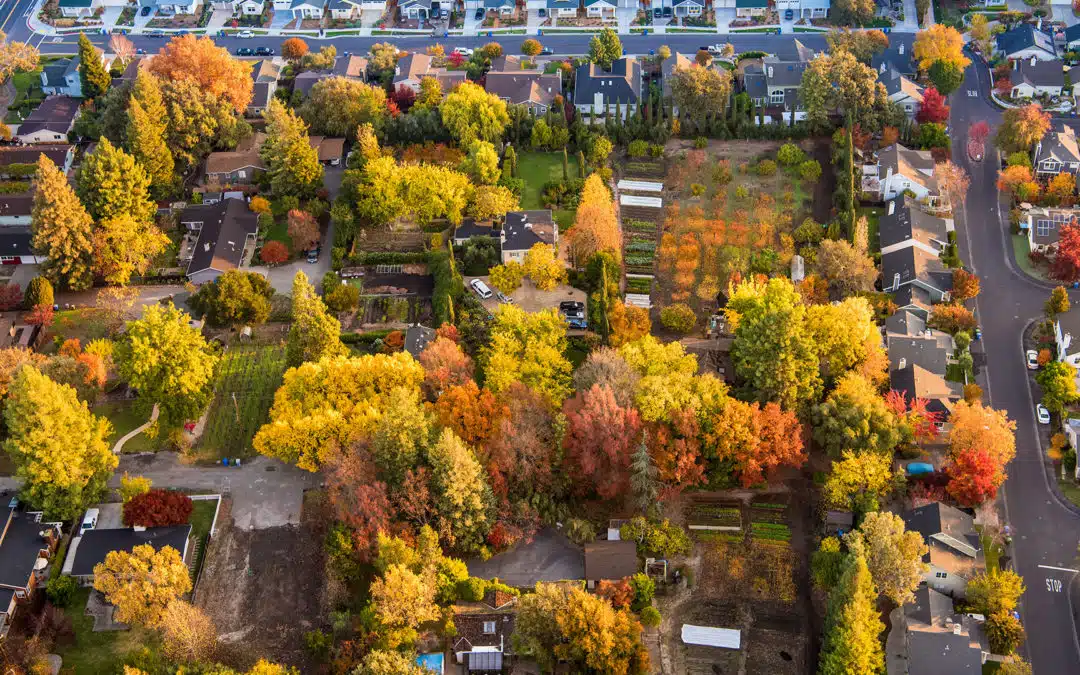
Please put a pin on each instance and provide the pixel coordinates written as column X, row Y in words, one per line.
column 344, row 10
column 745, row 9
column 899, row 169
column 74, row 9
column 415, row 9
column 50, row 122
column 902, row 90
column 955, row 551
column 252, row 7
column 61, row 78
column 168, row 7
column 524, row 229
column 564, row 8
column 1032, row 78
column 1057, row 152
column 306, row 9
column 1043, row 225
column 600, row 9
column 688, row 7
column 814, row 9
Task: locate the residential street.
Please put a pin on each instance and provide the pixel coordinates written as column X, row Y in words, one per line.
column 1046, row 528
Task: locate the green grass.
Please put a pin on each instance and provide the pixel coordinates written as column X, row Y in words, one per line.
column 125, row 418
column 87, row 324
column 99, row 653
column 954, row 373
column 244, row 386
column 1021, row 248
column 1069, row 488
column 26, row 85
column 279, row 231
column 991, row 667
column 202, row 517
column 538, row 168
column 872, row 214
column 575, row 356
column 991, row 552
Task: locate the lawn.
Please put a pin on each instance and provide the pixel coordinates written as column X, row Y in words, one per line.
column 1021, row 249
column 954, row 373
column 872, row 215
column 202, row 517
column 991, row 551
column 87, row 323
column 125, row 417
column 538, row 168
column 99, row 653
column 1069, row 488
column 244, row 386
column 279, row 231
column 26, row 85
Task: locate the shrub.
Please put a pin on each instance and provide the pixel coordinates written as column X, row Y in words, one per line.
column 274, row 253
column 790, row 154
column 60, row 590
column 660, row 539
column 722, row 173
column 741, row 192
column 638, row 148
column 678, row 317
column 656, row 150
column 342, row 298
column 133, row 486
column 580, row 531
column 697, row 189
column 644, row 590
column 766, row 167
column 701, row 142
column 810, row 170
column 471, row 589
column 158, row 508
column 39, row 292
column 318, row 644
column 650, row 617
column 1004, row 631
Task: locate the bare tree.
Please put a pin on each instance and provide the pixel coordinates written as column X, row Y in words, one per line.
column 122, row 47
column 953, row 180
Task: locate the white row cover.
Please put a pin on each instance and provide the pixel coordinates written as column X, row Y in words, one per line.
column 634, row 200
column 640, row 185
column 728, row 638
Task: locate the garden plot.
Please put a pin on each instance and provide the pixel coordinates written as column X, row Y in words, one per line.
column 640, row 214
column 244, row 386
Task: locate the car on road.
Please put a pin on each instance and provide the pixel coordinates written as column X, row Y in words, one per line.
column 146, row 10
column 546, row 51
column 788, row 15
column 479, row 16
column 541, row 13
column 1032, row 357
column 264, row 51
column 245, row 51
column 156, row 34
column 245, row 34
column 574, row 313
column 1042, row 413
column 464, row 51
column 480, row 288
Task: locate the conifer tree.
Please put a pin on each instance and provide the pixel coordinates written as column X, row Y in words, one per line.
column 61, row 229
column 146, row 129
column 112, row 185
column 292, row 165
column 852, row 624
column 93, row 77
column 644, row 479
column 314, row 333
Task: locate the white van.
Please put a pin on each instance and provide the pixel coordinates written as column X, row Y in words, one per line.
column 89, row 521
column 481, row 288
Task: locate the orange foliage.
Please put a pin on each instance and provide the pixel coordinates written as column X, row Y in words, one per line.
column 472, row 413
column 215, row 70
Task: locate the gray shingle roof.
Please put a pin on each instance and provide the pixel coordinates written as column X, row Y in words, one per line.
column 621, row 85
column 1025, row 36
column 1040, row 74
column 524, row 229
column 94, row 545
column 225, row 229
column 19, row 548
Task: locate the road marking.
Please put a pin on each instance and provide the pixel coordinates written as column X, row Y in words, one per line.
column 973, row 93
column 1053, row 585
column 1059, row 569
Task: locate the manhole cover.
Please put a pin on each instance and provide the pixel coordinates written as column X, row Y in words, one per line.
column 271, row 468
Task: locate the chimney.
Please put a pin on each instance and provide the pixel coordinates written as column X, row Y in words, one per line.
column 957, row 628
column 892, row 207
column 901, row 49
column 903, row 364
column 206, row 247
column 139, row 528
column 1033, row 60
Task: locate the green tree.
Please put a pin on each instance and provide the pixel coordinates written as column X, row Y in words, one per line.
column 827, row 564
column 59, row 449
column 852, row 625
column 699, row 92
column 464, row 501
column 292, row 165
column 470, row 113
column 605, row 48
column 893, row 555
column 147, row 127
column 39, row 292
column 383, row 662
column 93, row 77
column 199, row 121
column 482, row 163
column 772, row 349
column 855, row 417
column 1058, row 382
column 112, row 184
column 337, row 106
column 124, row 246
column 314, row 334
column 236, row 297
column 169, row 362
column 401, row 436
column 60, row 229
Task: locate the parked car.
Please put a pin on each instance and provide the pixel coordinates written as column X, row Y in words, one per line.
column 89, row 521
column 667, row 12
column 264, row 51
column 503, row 298
column 657, row 13
column 313, row 256
column 464, row 51
column 245, row 51
column 479, row 16
column 480, row 288
column 1032, row 359
column 541, row 13
column 574, row 312
column 245, row 34
column 146, row 10
column 156, row 34
column 1042, row 413
column 788, row 15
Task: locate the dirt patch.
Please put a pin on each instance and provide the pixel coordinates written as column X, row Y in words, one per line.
column 264, row 589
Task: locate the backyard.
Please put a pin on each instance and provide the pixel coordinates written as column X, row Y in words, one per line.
column 27, row 92
column 125, row 417
column 99, row 653
column 536, row 170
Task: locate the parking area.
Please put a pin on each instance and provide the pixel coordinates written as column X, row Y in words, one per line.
column 529, row 297
column 548, row 557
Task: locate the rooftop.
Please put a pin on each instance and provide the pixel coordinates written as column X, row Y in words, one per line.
column 20, row 542
column 226, row 227
column 524, row 229
column 611, row 560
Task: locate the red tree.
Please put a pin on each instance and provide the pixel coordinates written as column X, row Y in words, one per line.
column 448, row 331
column 274, row 253
column 11, row 297
column 413, row 499
column 979, row 131
column 471, row 412
column 518, row 457
column 915, row 413
column 618, row 593
column 455, row 59
column 359, row 501
column 600, row 439
column 1066, row 266
column 780, row 444
column 404, row 97
column 158, row 508
column 39, row 315
column 933, row 108
column 445, row 365
column 1003, row 86
column 676, row 448
column 974, row 477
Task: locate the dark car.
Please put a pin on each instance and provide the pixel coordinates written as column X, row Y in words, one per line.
column 788, row 15
column 264, row 51
column 541, row 13
column 245, row 51
column 546, row 51
column 574, row 313
column 156, row 34
column 146, row 10
column 658, row 12
column 479, row 14
column 667, row 12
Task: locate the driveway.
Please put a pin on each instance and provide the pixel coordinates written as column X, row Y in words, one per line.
column 625, row 16
column 724, row 17
column 548, row 557
column 529, row 298
column 218, row 20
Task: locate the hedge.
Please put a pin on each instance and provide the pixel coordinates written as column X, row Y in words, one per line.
column 386, row 258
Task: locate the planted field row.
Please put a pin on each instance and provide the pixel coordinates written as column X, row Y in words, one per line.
column 640, row 246
column 639, row 285
column 244, row 386
column 759, row 516
column 643, row 169
column 641, row 213
column 643, row 268
column 770, row 531
column 639, row 227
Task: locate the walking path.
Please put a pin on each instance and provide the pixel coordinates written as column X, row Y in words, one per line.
column 135, row 432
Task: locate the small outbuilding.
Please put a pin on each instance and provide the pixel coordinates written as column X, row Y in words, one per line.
column 610, row 560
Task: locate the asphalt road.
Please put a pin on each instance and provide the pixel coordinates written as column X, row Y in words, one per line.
column 1046, row 528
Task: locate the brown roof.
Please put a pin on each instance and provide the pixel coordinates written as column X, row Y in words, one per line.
column 265, row 71
column 610, row 560
column 246, row 154
column 506, row 62
column 329, row 148
column 223, row 234
column 29, row 154
column 470, row 631
column 56, row 113
column 917, row 165
column 417, row 65
column 351, row 66
column 523, row 86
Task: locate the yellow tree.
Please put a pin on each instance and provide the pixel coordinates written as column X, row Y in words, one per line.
column 859, row 479
column 845, row 337
column 143, row 583
column 595, row 226
column 403, row 599
column 542, row 266
column 60, row 229
column 976, row 427
column 124, row 246
column 470, row 113
column 188, row 57
column 189, row 634
column 628, row 323
column 528, row 348
column 940, row 43
column 464, row 500
column 894, row 555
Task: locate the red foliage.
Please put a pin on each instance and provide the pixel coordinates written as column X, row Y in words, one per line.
column 11, row 297
column 392, row 108
column 518, row 457
column 413, row 499
column 40, row 315
column 974, row 477
column 934, row 108
column 1066, row 265
column 860, row 138
column 1003, row 86
column 618, row 593
column 404, row 97
column 448, row 331
column 979, row 131
column 158, row 508
column 915, row 413
column 780, row 444
column 600, row 438
column 394, row 342
column 274, row 253
column 455, row 59
column 445, row 366
column 359, row 500
column 676, row 448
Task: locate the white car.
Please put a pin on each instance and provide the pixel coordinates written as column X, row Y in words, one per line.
column 464, row 51
column 1032, row 357
column 1042, row 413
column 245, row 34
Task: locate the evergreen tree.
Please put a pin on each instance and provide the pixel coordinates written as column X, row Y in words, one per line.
column 644, row 479
column 292, row 165
column 510, row 162
column 565, row 165
column 146, row 129
column 581, row 163
column 852, row 624
column 61, row 229
column 93, row 77
column 314, row 333
column 112, row 185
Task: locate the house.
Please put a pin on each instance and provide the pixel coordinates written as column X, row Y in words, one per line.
column 1072, row 37
column 344, row 10
column 902, row 90
column 898, row 170
column 265, row 70
column 1026, row 41
column 910, row 342
column 306, row 9
column 239, row 166
column 469, row 228
column 563, row 8
column 774, row 85
column 415, row 9
column 415, row 66
column 50, row 122
column 1065, row 327
column 502, row 7
column 26, row 547
column 916, row 382
column 898, row 58
column 1043, row 225
column 16, row 243
column 904, row 225
column 1032, row 78
column 603, row 9
column 92, row 546
column 813, row 9
column 597, row 91
column 531, row 88
column 13, row 159
column 524, row 229
column 351, row 67
column 305, row 81
column 914, row 265
column 74, row 9
column 168, row 7
column 939, row 641
column 226, row 238
column 745, row 9
column 331, row 150
column 913, row 299
column 61, row 78
column 688, row 7
column 1057, row 151
column 668, row 68
column 417, row 338
column 955, row 553
column 252, row 7
column 610, row 560
column 15, row 210
column 261, row 95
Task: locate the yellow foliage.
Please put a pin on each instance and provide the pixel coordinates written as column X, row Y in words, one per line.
column 142, row 583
